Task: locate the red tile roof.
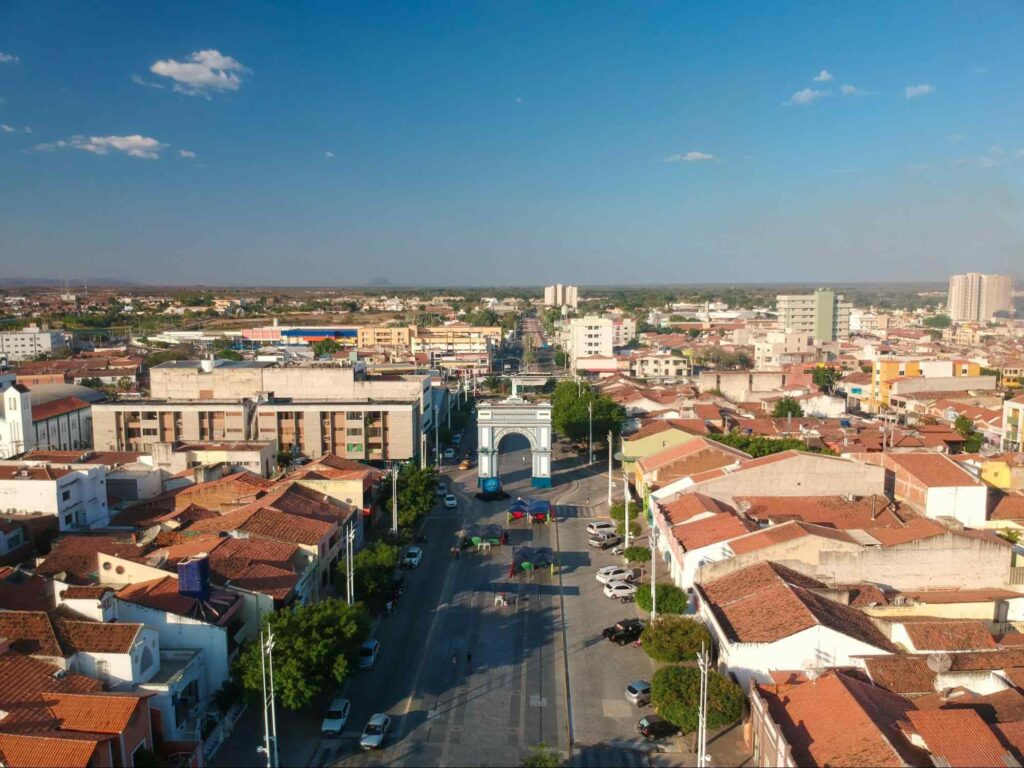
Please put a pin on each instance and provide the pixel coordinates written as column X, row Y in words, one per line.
column 688, row 505
column 105, row 712
column 22, row 679
column 75, row 555
column 948, row 635
column 777, row 534
column 162, row 595
column 1009, row 506
column 905, row 675
column 709, row 530
column 837, row 720
column 934, row 470
column 56, row 408
column 959, row 737
column 834, row 511
column 54, row 749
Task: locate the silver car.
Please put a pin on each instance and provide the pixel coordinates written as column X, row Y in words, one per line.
column 368, row 653
column 638, row 693
column 375, row 732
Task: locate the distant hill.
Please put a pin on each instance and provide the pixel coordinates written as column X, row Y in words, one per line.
column 380, row 282
column 47, row 282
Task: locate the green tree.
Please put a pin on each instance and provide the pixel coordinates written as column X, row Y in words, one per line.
column 675, row 693
column 416, row 494
column 228, row 354
column 787, row 406
column 675, row 638
column 964, row 426
column 938, row 321
column 671, row 599
column 570, row 414
column 758, row 446
column 92, row 382
column 560, row 358
column 314, row 646
column 542, row 756
column 325, row 347
column 825, row 378
column 637, row 554
column 372, row 567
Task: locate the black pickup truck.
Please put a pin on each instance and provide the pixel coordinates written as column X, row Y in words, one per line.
column 625, row 631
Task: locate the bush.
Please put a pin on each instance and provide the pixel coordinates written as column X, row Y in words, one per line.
column 634, row 527
column 617, row 511
column 542, row 756
column 372, row 569
column 671, row 599
column 675, row 638
column 675, row 693
column 637, row 555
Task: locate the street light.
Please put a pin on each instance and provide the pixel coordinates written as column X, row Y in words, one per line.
column 394, row 498
column 654, row 572
column 590, row 439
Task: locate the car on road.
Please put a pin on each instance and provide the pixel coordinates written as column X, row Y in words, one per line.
column 620, row 589
column 368, row 654
column 625, row 631
column 375, row 732
column 600, row 527
column 336, row 717
column 604, row 540
column 412, row 557
column 449, row 453
column 615, row 573
column 639, row 693
column 441, row 489
column 450, row 502
column 465, row 464
column 655, row 727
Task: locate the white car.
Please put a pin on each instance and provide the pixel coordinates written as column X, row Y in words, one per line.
column 368, row 653
column 449, row 453
column 619, row 589
column 450, row 502
column 614, row 574
column 412, row 557
column 375, row 732
column 608, row 569
column 336, row 717
column 600, row 527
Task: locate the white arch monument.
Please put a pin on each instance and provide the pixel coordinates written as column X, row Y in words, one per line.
column 514, row 416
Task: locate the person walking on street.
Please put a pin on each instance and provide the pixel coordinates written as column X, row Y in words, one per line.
column 469, row 660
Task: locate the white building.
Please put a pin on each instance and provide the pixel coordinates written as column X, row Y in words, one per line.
column 824, row 315
column 559, row 295
column 75, row 494
column 30, row 342
column 623, row 330
column 659, row 365
column 975, row 297
column 16, row 435
column 780, row 348
column 589, row 336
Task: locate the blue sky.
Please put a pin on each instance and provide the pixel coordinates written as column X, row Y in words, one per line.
column 511, row 142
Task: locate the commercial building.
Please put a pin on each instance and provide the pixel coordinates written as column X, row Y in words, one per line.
column 30, row 342
column 823, row 315
column 589, row 336
column 893, row 376
column 308, row 409
column 975, row 298
column 456, row 339
column 559, row 295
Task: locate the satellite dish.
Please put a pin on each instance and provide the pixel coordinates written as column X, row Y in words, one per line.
column 939, row 662
column 811, row 670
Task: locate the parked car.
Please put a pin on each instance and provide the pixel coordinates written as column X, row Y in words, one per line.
column 625, row 631
column 457, row 438
column 450, row 502
column 600, row 527
column 449, row 453
column 620, row 589
column 412, row 557
column 336, row 717
column 615, row 573
column 639, row 693
column 441, row 489
column 655, row 727
column 604, row 541
column 368, row 653
column 375, row 732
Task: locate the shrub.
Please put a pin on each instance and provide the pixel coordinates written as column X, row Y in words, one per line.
column 675, row 692
column 617, row 511
column 671, row 599
column 675, row 638
column 637, row 554
column 634, row 528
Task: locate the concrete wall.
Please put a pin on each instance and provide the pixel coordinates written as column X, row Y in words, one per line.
column 736, row 385
column 965, row 503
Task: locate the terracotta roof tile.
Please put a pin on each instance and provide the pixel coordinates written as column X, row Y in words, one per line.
column 162, row 595
column 709, row 530
column 905, row 675
column 1011, row 736
column 49, row 748
column 31, row 632
column 689, row 505
column 75, row 555
column 947, row 635
column 778, row 534
column 934, row 470
column 59, row 407
column 23, row 678
column 105, row 712
column 959, row 737
column 835, row 511
column 96, row 636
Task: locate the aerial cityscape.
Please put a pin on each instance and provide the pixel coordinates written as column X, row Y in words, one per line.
column 511, row 384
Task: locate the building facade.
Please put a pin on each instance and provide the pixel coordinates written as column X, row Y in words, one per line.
column 823, row 315
column 559, row 295
column 589, row 336
column 30, row 342
column 975, row 297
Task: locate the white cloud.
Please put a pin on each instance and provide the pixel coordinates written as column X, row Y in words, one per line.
column 913, row 91
column 955, row 136
column 806, row 96
column 328, row 153
column 4, row 128
column 823, row 77
column 186, row 154
column 142, row 147
column 848, row 90
column 7, row 58
column 204, row 72
column 138, row 80
column 690, row 157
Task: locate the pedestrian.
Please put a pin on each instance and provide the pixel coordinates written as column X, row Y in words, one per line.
column 455, row 659
column 469, row 659
column 456, row 554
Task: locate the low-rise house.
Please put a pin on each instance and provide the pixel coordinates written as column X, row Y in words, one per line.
column 684, row 460
column 769, row 618
column 958, row 738
column 74, row 494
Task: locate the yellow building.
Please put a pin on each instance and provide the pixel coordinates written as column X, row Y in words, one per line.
column 397, row 337
column 655, row 436
column 889, row 371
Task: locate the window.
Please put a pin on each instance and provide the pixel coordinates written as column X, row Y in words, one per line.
column 66, row 495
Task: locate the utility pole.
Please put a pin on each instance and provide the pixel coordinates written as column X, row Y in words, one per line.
column 350, row 582
column 654, row 572
column 611, row 445
column 590, row 438
column 269, row 747
column 437, row 439
column 625, row 499
column 394, row 498
column 704, row 663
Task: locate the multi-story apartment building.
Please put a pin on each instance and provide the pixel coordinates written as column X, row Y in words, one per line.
column 456, row 339
column 391, row 337
column 310, row 409
column 781, row 348
column 589, row 336
column 975, row 297
column 658, row 366
column 823, row 315
column 1013, row 424
column 30, row 342
column 559, row 295
column 910, row 374
column 623, row 330
column 74, row 494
